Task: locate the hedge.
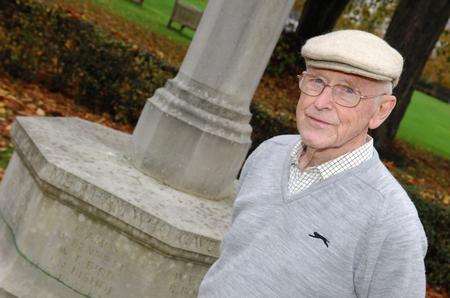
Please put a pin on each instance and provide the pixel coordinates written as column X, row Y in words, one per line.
column 67, row 54
column 436, row 222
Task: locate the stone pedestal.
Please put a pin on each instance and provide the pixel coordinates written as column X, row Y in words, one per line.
column 90, row 222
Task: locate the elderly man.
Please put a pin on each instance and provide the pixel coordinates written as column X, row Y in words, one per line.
column 317, row 214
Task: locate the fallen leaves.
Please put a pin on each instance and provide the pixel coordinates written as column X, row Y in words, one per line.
column 40, row 112
column 22, row 99
column 436, row 292
column 429, row 173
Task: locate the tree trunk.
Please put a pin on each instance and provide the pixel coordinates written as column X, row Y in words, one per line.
column 414, row 29
column 318, row 17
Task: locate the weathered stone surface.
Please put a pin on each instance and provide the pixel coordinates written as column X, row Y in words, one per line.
column 20, row 279
column 194, row 133
column 85, row 215
column 5, row 294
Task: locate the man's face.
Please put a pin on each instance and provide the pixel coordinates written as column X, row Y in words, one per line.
column 323, row 124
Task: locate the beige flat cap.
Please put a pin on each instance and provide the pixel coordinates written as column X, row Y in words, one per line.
column 356, row 52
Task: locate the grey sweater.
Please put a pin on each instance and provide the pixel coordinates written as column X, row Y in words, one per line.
column 355, row 234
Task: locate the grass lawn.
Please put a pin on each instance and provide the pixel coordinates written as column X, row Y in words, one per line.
column 426, row 124
column 152, row 14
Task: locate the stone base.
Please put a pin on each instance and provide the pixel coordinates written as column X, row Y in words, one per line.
column 93, row 223
column 18, row 278
column 5, row 294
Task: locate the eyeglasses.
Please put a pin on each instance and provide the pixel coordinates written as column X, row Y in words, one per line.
column 343, row 95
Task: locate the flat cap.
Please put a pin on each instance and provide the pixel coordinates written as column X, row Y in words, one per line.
column 356, row 52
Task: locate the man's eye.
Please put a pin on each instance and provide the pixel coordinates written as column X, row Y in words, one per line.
column 316, row 80
column 347, row 89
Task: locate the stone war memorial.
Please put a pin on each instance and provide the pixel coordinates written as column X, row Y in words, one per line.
column 88, row 211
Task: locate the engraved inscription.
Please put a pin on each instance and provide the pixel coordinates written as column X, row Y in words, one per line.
column 88, row 260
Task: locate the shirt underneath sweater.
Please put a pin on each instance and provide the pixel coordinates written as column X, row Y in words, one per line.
column 354, row 234
column 300, row 180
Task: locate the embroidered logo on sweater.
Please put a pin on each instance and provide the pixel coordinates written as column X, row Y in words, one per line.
column 317, row 235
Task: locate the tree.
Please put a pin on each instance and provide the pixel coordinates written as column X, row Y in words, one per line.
column 414, row 29
column 318, row 17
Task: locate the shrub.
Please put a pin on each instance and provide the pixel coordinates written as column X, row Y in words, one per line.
column 436, row 222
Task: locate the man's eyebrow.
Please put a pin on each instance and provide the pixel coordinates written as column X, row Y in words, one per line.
column 351, row 83
column 319, row 75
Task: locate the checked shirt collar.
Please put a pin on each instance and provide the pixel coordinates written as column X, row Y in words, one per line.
column 299, row 180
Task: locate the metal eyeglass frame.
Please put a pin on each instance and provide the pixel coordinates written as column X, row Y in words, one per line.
column 300, row 77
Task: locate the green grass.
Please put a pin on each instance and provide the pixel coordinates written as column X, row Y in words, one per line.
column 426, row 124
column 5, row 156
column 153, row 15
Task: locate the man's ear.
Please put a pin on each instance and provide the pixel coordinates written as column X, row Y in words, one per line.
column 383, row 109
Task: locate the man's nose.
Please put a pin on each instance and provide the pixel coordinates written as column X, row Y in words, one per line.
column 324, row 99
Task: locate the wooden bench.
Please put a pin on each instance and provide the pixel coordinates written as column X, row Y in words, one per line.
column 186, row 15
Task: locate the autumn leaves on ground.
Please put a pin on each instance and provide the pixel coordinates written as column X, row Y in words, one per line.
column 415, row 167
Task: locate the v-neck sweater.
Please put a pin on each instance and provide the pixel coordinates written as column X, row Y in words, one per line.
column 355, row 234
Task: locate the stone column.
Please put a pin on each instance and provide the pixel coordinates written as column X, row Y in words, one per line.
column 194, row 133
